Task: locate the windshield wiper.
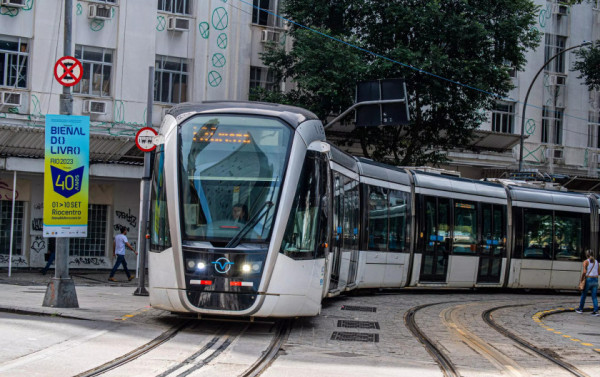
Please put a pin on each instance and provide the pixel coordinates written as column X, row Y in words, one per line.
column 249, row 225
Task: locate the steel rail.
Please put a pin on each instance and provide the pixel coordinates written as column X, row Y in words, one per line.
column 487, row 317
column 270, row 354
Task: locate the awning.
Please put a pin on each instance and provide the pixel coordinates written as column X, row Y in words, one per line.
column 495, row 141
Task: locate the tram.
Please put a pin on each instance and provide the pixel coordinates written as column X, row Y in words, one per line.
column 318, row 222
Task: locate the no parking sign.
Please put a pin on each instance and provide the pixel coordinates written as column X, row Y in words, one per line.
column 68, row 71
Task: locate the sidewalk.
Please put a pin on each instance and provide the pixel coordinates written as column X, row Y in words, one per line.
column 98, row 298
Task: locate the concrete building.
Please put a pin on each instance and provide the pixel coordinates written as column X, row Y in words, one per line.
column 201, row 50
column 209, row 50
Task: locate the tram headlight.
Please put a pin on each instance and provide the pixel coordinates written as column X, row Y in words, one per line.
column 246, row 268
column 191, row 264
column 200, row 265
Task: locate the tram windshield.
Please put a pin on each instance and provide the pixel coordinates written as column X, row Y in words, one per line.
column 231, row 172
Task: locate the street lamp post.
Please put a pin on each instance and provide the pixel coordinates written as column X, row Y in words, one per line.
column 527, row 97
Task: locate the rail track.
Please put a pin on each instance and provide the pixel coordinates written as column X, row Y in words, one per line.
column 487, row 317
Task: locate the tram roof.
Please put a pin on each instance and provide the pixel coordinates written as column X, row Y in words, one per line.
column 378, row 170
column 449, row 184
column 541, row 196
column 344, row 159
column 290, row 114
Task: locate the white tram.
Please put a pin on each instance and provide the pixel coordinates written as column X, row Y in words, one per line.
column 318, row 222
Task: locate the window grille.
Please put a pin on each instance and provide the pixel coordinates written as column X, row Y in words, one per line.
column 94, row 245
column 5, row 217
column 14, row 61
column 551, row 117
column 175, row 6
column 503, row 117
column 170, row 79
column 97, row 69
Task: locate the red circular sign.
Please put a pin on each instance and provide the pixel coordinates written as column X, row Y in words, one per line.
column 144, row 139
column 68, row 71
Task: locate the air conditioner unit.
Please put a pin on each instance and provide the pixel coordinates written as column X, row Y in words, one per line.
column 14, row 3
column 10, row 99
column 94, row 107
column 99, row 12
column 555, row 156
column 178, row 24
column 560, row 10
column 269, row 36
column 557, row 80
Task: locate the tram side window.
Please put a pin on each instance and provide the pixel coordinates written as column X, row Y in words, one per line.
column 399, row 224
column 305, row 233
column 537, row 234
column 568, row 233
column 351, row 214
column 160, row 237
column 465, row 228
column 378, row 219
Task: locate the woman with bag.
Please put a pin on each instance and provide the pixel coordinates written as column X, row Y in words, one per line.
column 589, row 280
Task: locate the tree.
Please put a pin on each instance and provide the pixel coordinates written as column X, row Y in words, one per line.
column 588, row 64
column 472, row 42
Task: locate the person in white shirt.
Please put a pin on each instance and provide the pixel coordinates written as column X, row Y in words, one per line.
column 119, row 245
column 590, row 274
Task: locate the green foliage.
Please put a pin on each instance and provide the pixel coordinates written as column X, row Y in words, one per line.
column 471, row 42
column 588, row 64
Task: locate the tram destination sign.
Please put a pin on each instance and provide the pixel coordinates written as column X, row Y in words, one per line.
column 66, row 176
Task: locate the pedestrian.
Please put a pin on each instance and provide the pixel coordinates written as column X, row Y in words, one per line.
column 119, row 245
column 51, row 252
column 590, row 274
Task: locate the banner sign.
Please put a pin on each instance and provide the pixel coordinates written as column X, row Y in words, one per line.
column 66, row 176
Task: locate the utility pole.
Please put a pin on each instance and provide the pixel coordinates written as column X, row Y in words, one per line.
column 527, row 97
column 61, row 289
column 141, row 289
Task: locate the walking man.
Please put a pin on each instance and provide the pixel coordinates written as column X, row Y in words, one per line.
column 119, row 245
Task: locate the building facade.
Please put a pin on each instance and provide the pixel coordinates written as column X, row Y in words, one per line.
column 200, row 50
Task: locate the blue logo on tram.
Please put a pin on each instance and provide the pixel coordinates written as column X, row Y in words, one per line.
column 222, row 265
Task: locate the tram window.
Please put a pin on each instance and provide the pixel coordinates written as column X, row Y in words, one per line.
column 378, row 219
column 568, row 232
column 444, row 224
column 537, row 234
column 160, row 235
column 399, row 225
column 465, row 228
column 351, row 213
column 306, row 232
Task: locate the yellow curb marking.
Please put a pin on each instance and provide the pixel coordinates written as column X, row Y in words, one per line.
column 587, row 344
column 557, row 332
column 567, row 336
column 576, row 340
column 537, row 317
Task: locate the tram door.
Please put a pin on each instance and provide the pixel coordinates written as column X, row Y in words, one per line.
column 350, row 228
column 338, row 208
column 492, row 248
column 436, row 239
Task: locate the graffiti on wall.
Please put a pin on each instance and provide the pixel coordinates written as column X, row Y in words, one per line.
column 88, row 261
column 6, row 191
column 16, row 260
column 37, row 224
column 38, row 206
column 38, row 244
column 131, row 219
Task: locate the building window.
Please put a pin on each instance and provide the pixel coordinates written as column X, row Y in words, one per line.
column 94, row 245
column 262, row 78
column 14, row 60
column 553, row 45
column 552, row 125
column 5, row 217
column 261, row 17
column 175, row 6
column 503, row 117
column 594, row 129
column 97, row 70
column 170, row 79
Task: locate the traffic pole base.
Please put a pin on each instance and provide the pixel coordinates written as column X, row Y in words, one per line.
column 60, row 293
column 141, row 291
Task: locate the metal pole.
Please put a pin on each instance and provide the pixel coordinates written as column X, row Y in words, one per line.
column 61, row 289
column 12, row 223
column 141, row 289
column 527, row 97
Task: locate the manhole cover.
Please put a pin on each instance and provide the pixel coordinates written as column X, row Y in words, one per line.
column 357, row 324
column 359, row 308
column 355, row 337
